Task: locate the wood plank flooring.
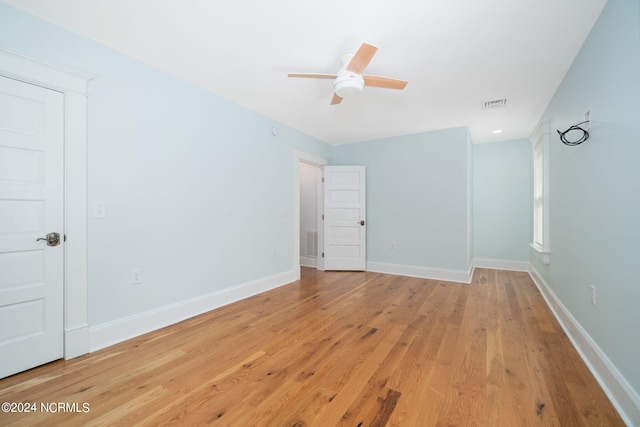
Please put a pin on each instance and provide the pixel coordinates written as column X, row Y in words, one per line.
column 335, row 348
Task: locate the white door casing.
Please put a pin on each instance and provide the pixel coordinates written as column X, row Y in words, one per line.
column 344, row 218
column 73, row 85
column 31, row 206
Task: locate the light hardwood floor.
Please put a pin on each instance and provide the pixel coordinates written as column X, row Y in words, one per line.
column 336, row 348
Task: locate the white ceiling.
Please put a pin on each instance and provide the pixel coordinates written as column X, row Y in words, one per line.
column 455, row 55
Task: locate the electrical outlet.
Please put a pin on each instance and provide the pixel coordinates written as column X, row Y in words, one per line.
column 136, row 276
column 393, row 244
column 593, row 295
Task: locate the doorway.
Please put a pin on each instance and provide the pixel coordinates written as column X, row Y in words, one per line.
column 310, row 187
column 312, row 164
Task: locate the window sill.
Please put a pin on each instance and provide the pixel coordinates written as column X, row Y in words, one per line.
column 544, row 253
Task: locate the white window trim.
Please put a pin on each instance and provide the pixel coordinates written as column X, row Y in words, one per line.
column 542, row 135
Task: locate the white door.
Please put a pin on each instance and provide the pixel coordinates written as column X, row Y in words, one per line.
column 31, row 206
column 344, row 218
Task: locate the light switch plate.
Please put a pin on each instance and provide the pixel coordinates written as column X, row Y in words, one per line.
column 100, row 210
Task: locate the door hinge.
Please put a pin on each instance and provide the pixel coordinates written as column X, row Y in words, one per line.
column 322, row 254
column 323, row 179
column 323, row 217
column 65, row 237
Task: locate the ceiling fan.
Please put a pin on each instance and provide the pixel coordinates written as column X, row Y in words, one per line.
column 349, row 80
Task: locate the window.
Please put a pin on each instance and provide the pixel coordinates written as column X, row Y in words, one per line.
column 538, row 200
column 540, row 144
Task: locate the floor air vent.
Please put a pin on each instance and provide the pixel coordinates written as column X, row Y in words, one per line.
column 312, row 243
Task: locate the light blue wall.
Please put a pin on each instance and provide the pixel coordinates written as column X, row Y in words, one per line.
column 194, row 184
column 502, row 200
column 417, row 196
column 595, row 188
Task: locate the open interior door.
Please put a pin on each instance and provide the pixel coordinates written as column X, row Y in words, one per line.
column 344, row 218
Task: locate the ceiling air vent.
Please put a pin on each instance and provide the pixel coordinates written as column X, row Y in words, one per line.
column 494, row 103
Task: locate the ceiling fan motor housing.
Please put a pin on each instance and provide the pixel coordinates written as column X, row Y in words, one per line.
column 348, row 84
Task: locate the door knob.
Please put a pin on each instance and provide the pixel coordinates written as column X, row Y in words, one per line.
column 52, row 239
column 362, row 222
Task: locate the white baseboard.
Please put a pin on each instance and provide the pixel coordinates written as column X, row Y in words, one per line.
column 106, row 334
column 308, row 261
column 76, row 342
column 621, row 394
column 496, row 264
column 422, row 272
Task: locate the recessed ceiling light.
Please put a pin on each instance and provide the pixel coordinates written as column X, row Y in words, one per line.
column 497, row 131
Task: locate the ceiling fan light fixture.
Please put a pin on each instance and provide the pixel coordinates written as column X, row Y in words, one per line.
column 349, row 80
column 348, row 85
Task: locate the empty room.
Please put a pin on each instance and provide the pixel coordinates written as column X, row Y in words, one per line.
column 278, row 213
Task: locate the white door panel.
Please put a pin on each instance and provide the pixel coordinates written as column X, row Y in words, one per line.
column 344, row 216
column 31, row 206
